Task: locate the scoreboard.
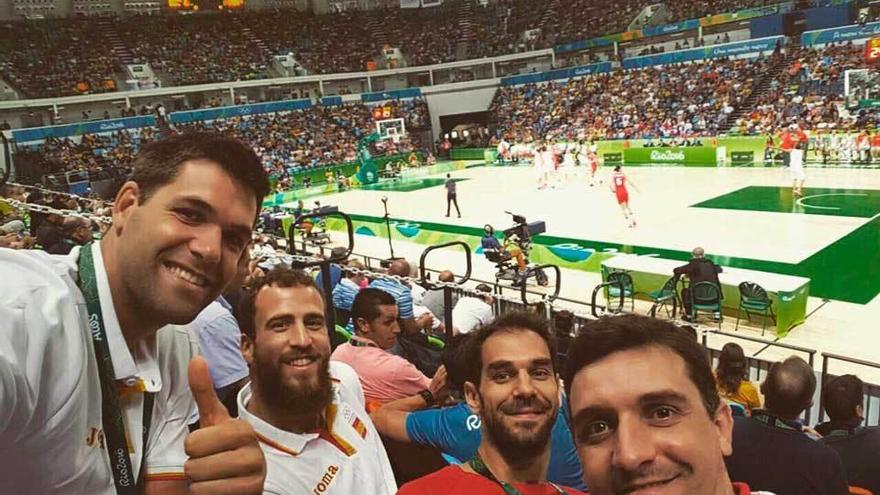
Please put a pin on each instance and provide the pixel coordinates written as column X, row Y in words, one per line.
column 872, row 51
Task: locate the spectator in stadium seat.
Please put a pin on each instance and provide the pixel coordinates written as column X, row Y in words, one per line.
column 347, row 289
column 512, row 386
column 772, row 449
column 472, row 312
column 858, row 446
column 433, row 299
column 335, row 271
column 455, row 429
column 50, row 234
column 308, row 411
column 403, row 297
column 384, row 376
column 699, row 269
column 220, row 341
column 731, row 375
column 645, row 410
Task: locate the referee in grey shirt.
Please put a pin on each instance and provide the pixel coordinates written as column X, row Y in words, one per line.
column 451, row 196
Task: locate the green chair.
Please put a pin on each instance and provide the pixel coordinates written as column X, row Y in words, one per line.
column 614, row 289
column 706, row 297
column 663, row 297
column 754, row 299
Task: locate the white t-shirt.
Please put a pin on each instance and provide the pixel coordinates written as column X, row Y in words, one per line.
column 470, row 313
column 346, row 457
column 51, row 433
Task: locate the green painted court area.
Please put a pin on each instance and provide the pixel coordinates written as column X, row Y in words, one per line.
column 406, row 185
column 860, row 203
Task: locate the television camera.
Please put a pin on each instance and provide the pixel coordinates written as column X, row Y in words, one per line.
column 516, row 238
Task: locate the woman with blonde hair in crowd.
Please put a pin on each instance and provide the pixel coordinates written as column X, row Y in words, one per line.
column 731, row 373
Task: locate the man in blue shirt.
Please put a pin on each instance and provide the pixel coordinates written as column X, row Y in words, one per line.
column 455, row 430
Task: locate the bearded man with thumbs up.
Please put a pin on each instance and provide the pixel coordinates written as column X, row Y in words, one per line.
column 97, row 376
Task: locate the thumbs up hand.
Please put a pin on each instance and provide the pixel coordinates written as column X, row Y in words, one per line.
column 224, row 456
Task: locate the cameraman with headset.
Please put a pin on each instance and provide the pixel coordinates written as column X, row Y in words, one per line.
column 490, row 242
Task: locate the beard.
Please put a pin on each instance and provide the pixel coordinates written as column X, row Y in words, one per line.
column 519, row 445
column 298, row 398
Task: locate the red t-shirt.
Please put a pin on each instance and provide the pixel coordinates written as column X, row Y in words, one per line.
column 454, row 480
column 787, row 141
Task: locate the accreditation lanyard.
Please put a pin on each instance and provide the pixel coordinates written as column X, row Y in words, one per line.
column 111, row 413
column 476, row 463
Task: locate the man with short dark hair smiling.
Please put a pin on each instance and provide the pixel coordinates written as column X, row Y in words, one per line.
column 512, row 386
column 646, row 414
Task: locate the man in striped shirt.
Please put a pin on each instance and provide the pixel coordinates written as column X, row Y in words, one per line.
column 403, row 296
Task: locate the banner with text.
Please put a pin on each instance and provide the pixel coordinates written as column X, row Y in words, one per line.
column 237, row 111
column 397, row 94
column 552, row 75
column 687, row 25
column 714, row 51
column 98, row 126
column 835, row 35
column 694, row 156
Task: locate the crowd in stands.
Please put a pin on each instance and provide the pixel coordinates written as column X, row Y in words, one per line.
column 670, row 101
column 322, row 44
column 51, row 58
column 194, row 49
column 56, row 57
column 809, row 89
column 286, row 141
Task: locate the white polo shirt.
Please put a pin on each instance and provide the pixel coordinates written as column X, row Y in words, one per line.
column 470, row 313
column 346, row 457
column 51, row 433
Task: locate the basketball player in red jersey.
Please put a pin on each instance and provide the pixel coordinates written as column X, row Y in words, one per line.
column 593, row 159
column 618, row 186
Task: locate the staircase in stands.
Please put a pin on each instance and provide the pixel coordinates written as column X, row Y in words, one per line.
column 761, row 88
column 108, row 28
column 466, row 23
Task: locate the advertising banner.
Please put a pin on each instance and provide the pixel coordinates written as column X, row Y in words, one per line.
column 237, row 111
column 845, row 33
column 22, row 136
column 397, row 94
column 693, row 156
column 706, row 52
column 552, row 75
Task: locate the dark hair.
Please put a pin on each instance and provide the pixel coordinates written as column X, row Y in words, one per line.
column 608, row 335
column 841, row 396
column 516, row 320
column 484, row 289
column 280, row 276
column 159, row 162
column 617, row 168
column 732, row 367
column 367, row 301
column 563, row 322
column 789, row 387
column 454, row 357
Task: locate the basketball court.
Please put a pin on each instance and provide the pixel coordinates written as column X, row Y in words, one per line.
column 744, row 218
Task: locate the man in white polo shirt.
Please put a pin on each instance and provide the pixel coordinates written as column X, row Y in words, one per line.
column 308, row 412
column 472, row 312
column 95, row 396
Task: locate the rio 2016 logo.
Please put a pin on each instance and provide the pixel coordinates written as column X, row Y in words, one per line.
column 667, row 156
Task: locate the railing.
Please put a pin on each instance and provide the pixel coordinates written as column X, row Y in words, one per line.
column 758, row 367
